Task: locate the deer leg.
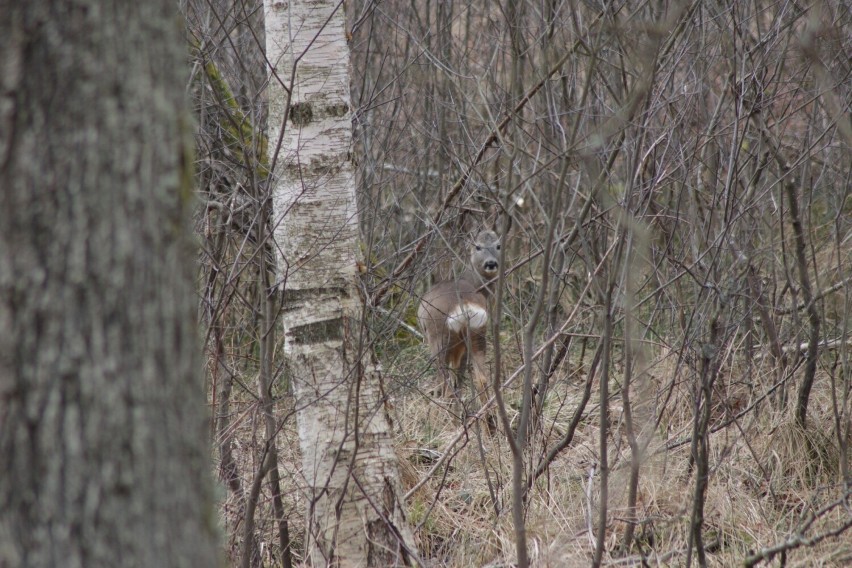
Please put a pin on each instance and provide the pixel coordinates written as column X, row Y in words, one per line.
column 480, row 373
column 481, row 376
column 439, row 351
column 455, row 360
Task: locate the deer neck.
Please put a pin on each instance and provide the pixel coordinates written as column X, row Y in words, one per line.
column 485, row 285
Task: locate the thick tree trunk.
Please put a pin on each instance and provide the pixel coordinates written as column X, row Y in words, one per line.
column 356, row 514
column 102, row 427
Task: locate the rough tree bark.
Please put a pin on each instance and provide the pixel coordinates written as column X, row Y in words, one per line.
column 102, row 427
column 356, row 513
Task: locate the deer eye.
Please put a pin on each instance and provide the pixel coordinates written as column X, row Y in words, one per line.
column 478, row 248
column 498, row 247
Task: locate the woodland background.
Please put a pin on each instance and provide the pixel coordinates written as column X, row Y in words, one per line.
column 672, row 180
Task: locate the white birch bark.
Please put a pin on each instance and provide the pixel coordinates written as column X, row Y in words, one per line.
column 351, row 470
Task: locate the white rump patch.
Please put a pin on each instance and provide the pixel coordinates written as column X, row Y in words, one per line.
column 467, row 315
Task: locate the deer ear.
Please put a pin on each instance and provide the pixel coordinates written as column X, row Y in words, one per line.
column 500, row 217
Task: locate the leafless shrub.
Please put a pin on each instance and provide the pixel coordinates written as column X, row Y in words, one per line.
column 673, row 180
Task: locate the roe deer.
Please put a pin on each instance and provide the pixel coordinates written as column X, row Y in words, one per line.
column 454, row 315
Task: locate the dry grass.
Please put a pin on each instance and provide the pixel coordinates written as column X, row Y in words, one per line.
column 767, row 478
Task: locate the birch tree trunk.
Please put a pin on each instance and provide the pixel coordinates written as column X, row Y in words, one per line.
column 101, row 402
column 356, row 516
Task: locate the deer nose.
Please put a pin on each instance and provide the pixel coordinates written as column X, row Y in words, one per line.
column 491, row 265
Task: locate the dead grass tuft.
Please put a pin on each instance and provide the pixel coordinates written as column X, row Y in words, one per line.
column 766, row 476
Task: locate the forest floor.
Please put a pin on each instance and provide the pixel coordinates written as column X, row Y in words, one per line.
column 770, row 483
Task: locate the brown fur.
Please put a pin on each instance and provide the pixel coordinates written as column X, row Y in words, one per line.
column 452, row 349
